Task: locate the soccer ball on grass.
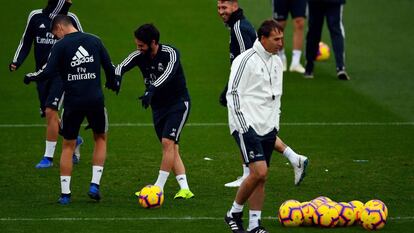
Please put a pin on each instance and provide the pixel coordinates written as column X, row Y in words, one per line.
column 150, row 197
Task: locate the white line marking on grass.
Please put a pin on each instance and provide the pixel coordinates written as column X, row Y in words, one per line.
column 185, row 218
column 212, row 124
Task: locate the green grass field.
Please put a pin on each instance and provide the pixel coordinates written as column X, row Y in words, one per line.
column 334, row 123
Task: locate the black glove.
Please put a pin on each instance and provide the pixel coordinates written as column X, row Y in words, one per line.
column 147, row 97
column 114, row 84
column 222, row 98
column 29, row 78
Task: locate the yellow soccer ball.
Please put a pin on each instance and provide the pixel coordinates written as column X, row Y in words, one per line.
column 308, row 209
column 323, row 52
column 346, row 214
column 151, row 196
column 358, row 207
column 290, row 213
column 373, row 218
column 326, row 216
column 377, row 204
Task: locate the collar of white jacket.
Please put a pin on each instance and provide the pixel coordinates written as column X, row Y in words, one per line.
column 258, row 47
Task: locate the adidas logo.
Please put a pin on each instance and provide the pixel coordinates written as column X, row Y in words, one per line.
column 172, row 134
column 81, row 56
column 42, row 26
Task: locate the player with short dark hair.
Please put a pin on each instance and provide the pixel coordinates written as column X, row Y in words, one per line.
column 297, row 9
column 254, row 95
column 50, row 93
column 77, row 57
column 166, row 92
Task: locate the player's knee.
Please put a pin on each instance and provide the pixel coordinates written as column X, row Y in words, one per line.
column 260, row 174
column 167, row 144
column 299, row 23
column 51, row 114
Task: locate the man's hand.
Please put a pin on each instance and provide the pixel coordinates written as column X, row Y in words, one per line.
column 115, row 84
column 12, row 67
column 146, row 98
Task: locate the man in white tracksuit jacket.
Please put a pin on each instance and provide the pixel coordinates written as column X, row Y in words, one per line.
column 253, row 101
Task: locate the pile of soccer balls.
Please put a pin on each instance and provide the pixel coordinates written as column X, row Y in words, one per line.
column 150, row 197
column 324, row 212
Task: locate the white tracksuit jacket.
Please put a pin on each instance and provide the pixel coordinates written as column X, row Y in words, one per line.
column 255, row 90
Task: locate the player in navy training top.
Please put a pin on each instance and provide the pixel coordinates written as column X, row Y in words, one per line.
column 78, row 58
column 38, row 34
column 167, row 93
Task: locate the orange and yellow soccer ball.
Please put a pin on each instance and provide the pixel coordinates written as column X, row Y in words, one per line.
column 290, row 213
column 358, row 207
column 151, row 196
column 308, row 209
column 373, row 218
column 323, row 52
column 326, row 216
column 346, row 213
column 375, row 203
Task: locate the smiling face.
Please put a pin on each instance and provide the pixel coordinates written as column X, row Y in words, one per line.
column 225, row 9
column 141, row 46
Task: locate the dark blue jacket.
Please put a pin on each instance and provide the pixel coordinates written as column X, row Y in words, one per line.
column 242, row 34
column 78, row 58
column 163, row 74
column 37, row 32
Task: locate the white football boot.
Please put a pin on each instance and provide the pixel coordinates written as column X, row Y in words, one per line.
column 300, row 168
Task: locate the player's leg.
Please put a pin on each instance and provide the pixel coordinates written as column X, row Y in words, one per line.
column 298, row 162
column 313, row 37
column 256, row 199
column 337, row 32
column 181, row 177
column 50, row 145
column 256, row 178
column 280, row 14
column 252, row 153
column 71, row 121
column 98, row 120
column 52, row 132
column 298, row 10
column 167, row 161
column 176, row 118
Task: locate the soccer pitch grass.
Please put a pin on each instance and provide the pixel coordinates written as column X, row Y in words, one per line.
column 336, row 124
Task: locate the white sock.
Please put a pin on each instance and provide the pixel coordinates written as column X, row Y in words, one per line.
column 254, row 217
column 236, row 208
column 290, row 155
column 65, row 184
column 50, row 149
column 246, row 170
column 296, row 57
column 282, row 54
column 162, row 178
column 96, row 174
column 182, row 181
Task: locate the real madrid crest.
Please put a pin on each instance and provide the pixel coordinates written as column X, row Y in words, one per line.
column 160, row 67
